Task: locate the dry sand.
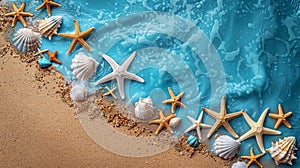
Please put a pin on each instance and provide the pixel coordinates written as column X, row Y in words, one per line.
column 39, row 130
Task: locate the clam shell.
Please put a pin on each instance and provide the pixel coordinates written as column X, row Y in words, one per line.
column 239, row 164
column 193, row 141
column 49, row 26
column 83, row 66
column 78, row 93
column 174, row 122
column 27, row 40
column 283, row 151
column 226, row 147
column 144, row 109
column 44, row 62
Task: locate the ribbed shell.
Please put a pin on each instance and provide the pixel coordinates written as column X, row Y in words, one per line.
column 78, row 93
column 193, row 141
column 49, row 26
column 144, row 109
column 239, row 164
column 83, row 66
column 283, row 151
column 27, row 40
column 226, row 147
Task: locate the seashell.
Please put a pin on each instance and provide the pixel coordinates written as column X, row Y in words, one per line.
column 83, row 66
column 78, row 93
column 144, row 109
column 44, row 62
column 193, row 141
column 27, row 40
column 226, row 147
column 49, row 26
column 283, row 151
column 239, row 164
column 174, row 122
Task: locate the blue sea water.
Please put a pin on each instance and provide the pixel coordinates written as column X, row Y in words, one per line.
column 246, row 50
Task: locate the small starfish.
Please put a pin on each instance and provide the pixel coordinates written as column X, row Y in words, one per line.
column 110, row 92
column 120, row 73
column 281, row 117
column 258, row 129
column 175, row 100
column 40, row 52
column 222, row 118
column 48, row 4
column 18, row 14
column 78, row 37
column 52, row 57
column 163, row 122
column 197, row 125
column 253, row 158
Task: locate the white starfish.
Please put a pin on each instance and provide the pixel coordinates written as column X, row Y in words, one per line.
column 120, row 73
column 258, row 129
column 197, row 125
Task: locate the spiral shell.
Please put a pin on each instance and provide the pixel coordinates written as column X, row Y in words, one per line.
column 27, row 40
column 226, row 147
column 83, row 66
column 283, row 151
column 144, row 109
column 174, row 122
column 78, row 93
column 49, row 26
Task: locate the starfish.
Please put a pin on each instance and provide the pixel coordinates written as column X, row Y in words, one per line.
column 120, row 73
column 52, row 57
column 258, row 129
column 175, row 100
column 222, row 118
column 40, row 52
column 110, row 92
column 78, row 37
column 163, row 122
column 281, row 117
column 18, row 14
column 197, row 125
column 253, row 158
column 48, row 4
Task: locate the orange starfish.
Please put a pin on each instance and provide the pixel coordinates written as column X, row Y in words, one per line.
column 163, row 122
column 78, row 37
column 52, row 57
column 253, row 158
column 18, row 14
column 281, row 117
column 48, row 4
column 175, row 100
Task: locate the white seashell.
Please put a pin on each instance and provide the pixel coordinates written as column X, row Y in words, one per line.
column 174, row 122
column 283, row 151
column 226, row 147
column 49, row 26
column 239, row 164
column 27, row 40
column 78, row 93
column 83, row 66
column 144, row 109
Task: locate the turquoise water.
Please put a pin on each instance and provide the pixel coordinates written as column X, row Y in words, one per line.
column 246, row 50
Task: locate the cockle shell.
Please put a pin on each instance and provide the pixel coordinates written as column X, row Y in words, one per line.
column 239, row 164
column 144, row 109
column 174, row 122
column 49, row 26
column 83, row 66
column 78, row 93
column 27, row 40
column 193, row 141
column 226, row 147
column 283, row 151
column 44, row 62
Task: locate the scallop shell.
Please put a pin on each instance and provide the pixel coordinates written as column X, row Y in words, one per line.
column 193, row 141
column 144, row 109
column 49, row 26
column 83, row 66
column 283, row 151
column 78, row 93
column 239, row 164
column 226, row 147
column 27, row 40
column 174, row 122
